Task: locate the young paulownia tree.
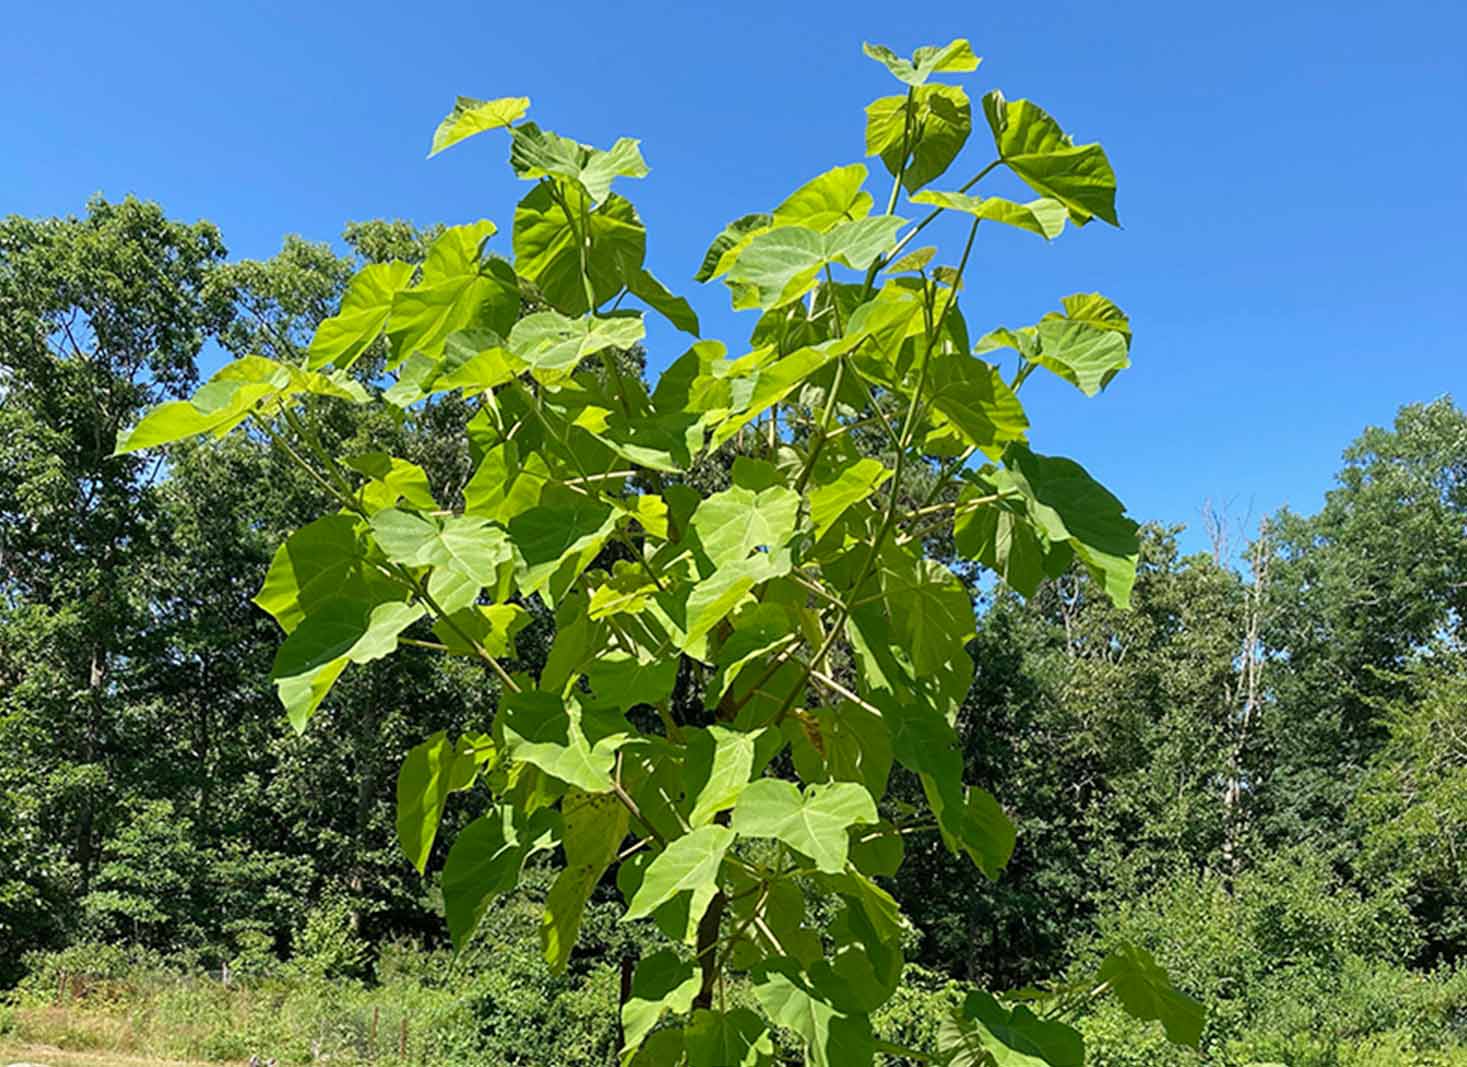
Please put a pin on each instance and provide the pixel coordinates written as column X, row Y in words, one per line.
column 799, row 601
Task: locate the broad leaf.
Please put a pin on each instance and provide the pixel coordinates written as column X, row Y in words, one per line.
column 814, row 823
column 574, row 744
column 593, row 826
column 982, row 1033
column 955, row 57
column 662, row 983
column 1045, row 217
column 470, row 116
column 485, row 861
column 537, row 153
column 1146, row 993
column 687, row 865
column 1038, row 151
column 933, row 125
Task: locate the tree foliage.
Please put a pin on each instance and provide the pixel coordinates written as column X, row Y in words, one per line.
column 798, row 597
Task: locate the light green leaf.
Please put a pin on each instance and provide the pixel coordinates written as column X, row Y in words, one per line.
column 1044, row 216
column 855, row 482
column 715, row 596
column 717, row 769
column 931, row 613
column 302, row 694
column 574, row 744
column 422, row 788
column 676, row 310
column 392, row 479
column 737, row 521
column 468, row 544
column 731, row 240
column 1087, row 345
column 593, row 827
column 955, row 57
column 504, row 486
column 831, row 1038
column 662, row 983
column 485, row 861
column 343, row 337
column 470, row 116
column 568, row 533
column 548, row 341
column 1146, row 992
column 1066, row 504
column 1035, row 148
column 934, row 125
column 826, row 201
column 970, row 397
column 688, row 864
column 423, row 317
column 627, row 679
column 784, row 263
column 1001, row 537
column 491, row 626
column 814, row 824
column 737, row 1038
column 982, row 1033
column 536, row 153
column 547, row 252
column 357, row 629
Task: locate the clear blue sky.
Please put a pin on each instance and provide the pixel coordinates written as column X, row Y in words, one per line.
column 1291, row 174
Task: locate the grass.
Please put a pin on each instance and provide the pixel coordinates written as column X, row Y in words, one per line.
column 51, row 1056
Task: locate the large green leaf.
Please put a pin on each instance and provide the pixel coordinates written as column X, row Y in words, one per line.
column 568, row 532
column 675, row 309
column 955, row 57
column 486, row 859
column 717, row 769
column 1044, row 216
column 537, row 153
column 565, row 740
column 470, row 116
column 736, row 1038
column 1001, row 536
column 971, row 398
column 360, row 630
column 855, row 481
column 730, row 240
column 423, row 784
column 737, row 521
column 547, row 251
column 1069, row 505
column 1038, row 151
column 663, row 982
column 782, row 264
column 813, row 823
column 826, row 201
column 934, row 125
column 832, row 1038
column 548, row 341
column 321, row 561
column 627, row 679
column 1088, row 344
column 423, row 317
column 1146, row 992
column 593, row 826
column 687, row 865
column 391, row 480
column 343, row 337
column 982, row 1033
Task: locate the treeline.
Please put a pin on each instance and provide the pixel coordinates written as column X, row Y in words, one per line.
column 1260, row 772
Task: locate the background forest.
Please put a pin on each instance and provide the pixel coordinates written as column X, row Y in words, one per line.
column 1259, row 773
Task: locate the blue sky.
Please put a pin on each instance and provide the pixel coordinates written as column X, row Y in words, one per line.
column 1291, row 175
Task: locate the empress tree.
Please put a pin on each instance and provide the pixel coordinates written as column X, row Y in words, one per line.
column 827, row 645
